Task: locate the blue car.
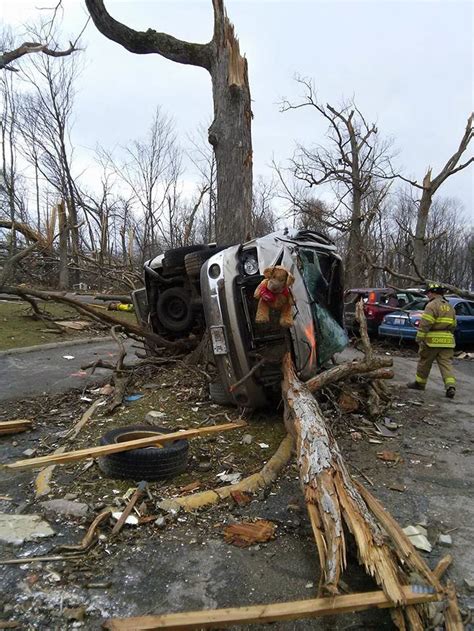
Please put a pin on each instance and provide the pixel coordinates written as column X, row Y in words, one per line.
column 403, row 325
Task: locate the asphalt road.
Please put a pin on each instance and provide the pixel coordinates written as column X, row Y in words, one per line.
column 35, row 372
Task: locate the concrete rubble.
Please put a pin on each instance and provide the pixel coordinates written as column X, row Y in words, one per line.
column 16, row 529
column 66, row 507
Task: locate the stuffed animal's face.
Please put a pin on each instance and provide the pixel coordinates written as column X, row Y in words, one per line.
column 278, row 278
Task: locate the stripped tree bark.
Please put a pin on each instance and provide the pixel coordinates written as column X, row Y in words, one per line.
column 334, row 501
column 230, row 132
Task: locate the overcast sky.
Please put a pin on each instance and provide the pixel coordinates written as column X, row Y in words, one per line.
column 409, row 66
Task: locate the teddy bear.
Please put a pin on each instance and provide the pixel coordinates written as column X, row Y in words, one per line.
column 274, row 293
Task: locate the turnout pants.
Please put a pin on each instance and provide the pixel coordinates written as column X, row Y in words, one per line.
column 444, row 358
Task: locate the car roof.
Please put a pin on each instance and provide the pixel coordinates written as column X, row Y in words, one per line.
column 381, row 289
column 454, row 300
column 370, row 289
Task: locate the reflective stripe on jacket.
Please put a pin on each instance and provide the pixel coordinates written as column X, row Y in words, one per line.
column 437, row 324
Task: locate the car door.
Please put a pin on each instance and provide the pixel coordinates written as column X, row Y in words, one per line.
column 465, row 321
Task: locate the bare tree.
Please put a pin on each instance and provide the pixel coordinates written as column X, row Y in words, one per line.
column 351, row 165
column 230, row 132
column 446, row 248
column 263, row 215
column 46, row 114
column 203, row 158
column 428, row 188
column 149, row 172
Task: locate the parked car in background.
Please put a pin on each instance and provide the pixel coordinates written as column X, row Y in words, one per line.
column 403, row 325
column 378, row 302
column 208, row 287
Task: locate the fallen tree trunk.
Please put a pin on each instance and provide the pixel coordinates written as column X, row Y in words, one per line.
column 334, row 501
column 99, row 315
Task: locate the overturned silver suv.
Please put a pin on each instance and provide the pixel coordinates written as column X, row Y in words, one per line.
column 189, row 290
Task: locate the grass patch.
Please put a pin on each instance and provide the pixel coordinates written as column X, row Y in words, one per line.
column 18, row 327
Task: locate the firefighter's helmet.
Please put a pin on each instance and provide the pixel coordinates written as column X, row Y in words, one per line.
column 435, row 288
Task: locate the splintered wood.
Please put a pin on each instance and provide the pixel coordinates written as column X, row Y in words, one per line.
column 335, row 501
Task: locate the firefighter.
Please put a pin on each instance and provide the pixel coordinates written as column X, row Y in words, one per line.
column 436, row 340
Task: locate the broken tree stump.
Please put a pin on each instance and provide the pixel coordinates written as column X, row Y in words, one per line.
column 335, row 502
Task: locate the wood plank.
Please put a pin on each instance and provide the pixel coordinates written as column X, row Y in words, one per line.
column 20, row 421
column 442, row 566
column 311, row 608
column 15, row 427
column 95, row 452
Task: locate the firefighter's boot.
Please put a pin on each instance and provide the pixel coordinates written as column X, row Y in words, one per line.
column 414, row 385
column 450, row 392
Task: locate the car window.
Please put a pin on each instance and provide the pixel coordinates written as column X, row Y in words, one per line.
column 315, row 280
column 403, row 299
column 462, row 309
column 416, row 305
column 353, row 296
column 471, row 307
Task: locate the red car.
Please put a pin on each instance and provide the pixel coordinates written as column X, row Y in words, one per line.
column 377, row 303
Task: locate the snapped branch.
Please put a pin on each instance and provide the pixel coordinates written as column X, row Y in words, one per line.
column 149, row 41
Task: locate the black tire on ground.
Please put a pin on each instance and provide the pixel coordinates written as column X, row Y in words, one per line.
column 194, row 261
column 150, row 463
column 219, row 394
column 174, row 309
column 175, row 257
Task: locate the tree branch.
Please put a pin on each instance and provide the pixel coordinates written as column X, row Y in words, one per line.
column 27, row 48
column 150, row 41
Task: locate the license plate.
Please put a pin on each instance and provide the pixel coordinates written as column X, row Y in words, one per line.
column 399, row 321
column 219, row 345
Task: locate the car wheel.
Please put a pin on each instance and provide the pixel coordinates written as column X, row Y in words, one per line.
column 219, row 394
column 194, row 261
column 149, row 463
column 175, row 257
column 174, row 309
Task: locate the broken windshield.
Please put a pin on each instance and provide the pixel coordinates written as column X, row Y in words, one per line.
column 317, row 275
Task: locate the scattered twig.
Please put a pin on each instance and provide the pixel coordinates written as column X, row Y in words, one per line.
column 366, row 477
column 20, row 561
column 90, row 536
column 251, row 372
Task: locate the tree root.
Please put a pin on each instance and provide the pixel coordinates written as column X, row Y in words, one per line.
column 253, row 483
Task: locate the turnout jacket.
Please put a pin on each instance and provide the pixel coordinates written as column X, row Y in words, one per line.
column 437, row 324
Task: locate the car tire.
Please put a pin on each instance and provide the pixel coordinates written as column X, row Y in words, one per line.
column 219, row 394
column 174, row 310
column 194, row 261
column 149, row 463
column 175, row 257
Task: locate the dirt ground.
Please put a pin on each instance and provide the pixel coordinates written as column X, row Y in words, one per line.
column 186, row 564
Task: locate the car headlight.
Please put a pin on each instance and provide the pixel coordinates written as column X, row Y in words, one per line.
column 214, row 270
column 251, row 265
